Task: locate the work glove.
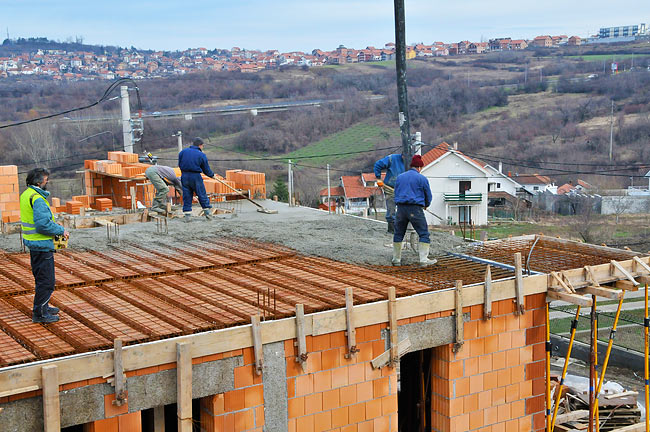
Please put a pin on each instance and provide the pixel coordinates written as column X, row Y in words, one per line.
column 380, row 183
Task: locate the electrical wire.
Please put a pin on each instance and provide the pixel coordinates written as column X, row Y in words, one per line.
column 97, row 102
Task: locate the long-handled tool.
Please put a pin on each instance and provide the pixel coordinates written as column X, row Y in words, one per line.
column 260, row 209
column 426, row 209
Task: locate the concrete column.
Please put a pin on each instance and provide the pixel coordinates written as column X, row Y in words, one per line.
column 126, row 120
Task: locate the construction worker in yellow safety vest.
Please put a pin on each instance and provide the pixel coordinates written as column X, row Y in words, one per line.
column 39, row 229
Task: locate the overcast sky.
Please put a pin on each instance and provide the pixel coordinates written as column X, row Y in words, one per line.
column 303, row 25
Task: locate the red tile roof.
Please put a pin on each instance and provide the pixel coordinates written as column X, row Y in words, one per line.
column 370, row 177
column 334, row 192
column 532, row 179
column 442, row 149
column 565, row 188
column 354, row 188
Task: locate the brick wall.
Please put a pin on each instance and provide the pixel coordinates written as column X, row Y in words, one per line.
column 241, row 409
column 496, row 381
column 9, row 193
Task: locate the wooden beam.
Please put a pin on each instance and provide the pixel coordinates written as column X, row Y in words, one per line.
column 571, row 416
column 384, row 358
column 351, row 330
column 300, row 337
column 561, row 282
column 604, row 292
column 639, row 427
column 626, row 285
column 257, row 343
column 487, row 293
column 519, row 286
column 159, row 419
column 184, row 386
column 51, row 406
column 590, row 276
column 639, row 263
column 392, row 324
column 625, row 273
column 568, row 282
column 20, row 390
column 133, row 203
column 119, row 381
column 569, row 298
column 460, row 323
column 622, row 394
column 643, row 279
column 139, row 356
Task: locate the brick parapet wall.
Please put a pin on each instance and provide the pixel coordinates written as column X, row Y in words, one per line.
column 495, row 382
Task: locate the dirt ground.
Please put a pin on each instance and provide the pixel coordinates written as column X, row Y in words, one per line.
column 308, row 231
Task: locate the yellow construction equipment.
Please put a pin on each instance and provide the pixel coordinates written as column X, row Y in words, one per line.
column 60, row 242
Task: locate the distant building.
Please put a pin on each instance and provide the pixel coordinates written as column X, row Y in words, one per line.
column 542, row 41
column 624, row 31
column 575, row 40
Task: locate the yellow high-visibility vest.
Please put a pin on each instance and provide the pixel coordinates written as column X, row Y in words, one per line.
column 27, row 215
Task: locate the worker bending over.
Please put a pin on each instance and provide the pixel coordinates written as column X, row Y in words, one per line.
column 160, row 176
column 412, row 196
column 192, row 162
column 394, row 166
column 38, row 229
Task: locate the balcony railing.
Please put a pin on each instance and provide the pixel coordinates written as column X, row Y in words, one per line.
column 471, row 197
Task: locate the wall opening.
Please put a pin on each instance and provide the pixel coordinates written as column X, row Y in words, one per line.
column 414, row 392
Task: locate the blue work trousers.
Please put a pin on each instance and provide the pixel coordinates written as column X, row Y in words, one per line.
column 411, row 213
column 193, row 184
column 43, row 271
column 390, row 207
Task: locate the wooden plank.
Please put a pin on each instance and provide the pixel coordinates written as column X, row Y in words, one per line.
column 16, row 391
column 257, row 343
column 639, row 263
column 602, row 273
column 184, row 386
column 351, row 330
column 133, row 203
column 622, row 394
column 487, row 294
column 590, row 276
column 571, row 416
column 561, row 282
column 384, row 358
column 300, row 337
column 159, row 419
column 639, row 427
column 120, row 381
column 603, row 292
column 624, row 271
column 392, row 325
column 626, row 285
column 51, row 406
column 98, row 364
column 569, row 298
column 460, row 323
column 519, row 286
column 568, row 282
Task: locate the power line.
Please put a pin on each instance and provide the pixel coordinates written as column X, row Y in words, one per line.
column 102, row 99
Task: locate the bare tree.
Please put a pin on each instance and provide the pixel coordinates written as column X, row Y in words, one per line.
column 584, row 223
column 620, row 204
column 37, row 143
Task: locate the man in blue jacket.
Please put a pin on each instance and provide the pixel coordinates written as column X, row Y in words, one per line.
column 394, row 166
column 412, row 196
column 192, row 162
column 38, row 228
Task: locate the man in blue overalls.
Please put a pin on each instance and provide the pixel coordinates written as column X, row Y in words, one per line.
column 192, row 162
column 394, row 166
column 412, row 196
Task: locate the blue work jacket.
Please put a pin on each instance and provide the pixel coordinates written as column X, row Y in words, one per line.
column 393, row 165
column 412, row 188
column 43, row 223
column 193, row 160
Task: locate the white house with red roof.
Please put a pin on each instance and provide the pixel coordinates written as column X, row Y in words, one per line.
column 356, row 195
column 459, row 185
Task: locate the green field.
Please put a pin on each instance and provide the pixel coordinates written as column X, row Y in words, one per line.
column 360, row 137
column 613, row 57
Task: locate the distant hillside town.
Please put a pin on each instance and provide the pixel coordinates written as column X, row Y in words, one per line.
column 60, row 64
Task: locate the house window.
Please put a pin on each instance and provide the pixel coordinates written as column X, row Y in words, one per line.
column 535, row 187
column 498, row 185
column 464, row 186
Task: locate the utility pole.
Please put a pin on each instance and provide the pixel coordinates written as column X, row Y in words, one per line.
column 290, row 184
column 611, row 132
column 402, row 95
column 126, row 120
column 179, row 134
column 329, row 209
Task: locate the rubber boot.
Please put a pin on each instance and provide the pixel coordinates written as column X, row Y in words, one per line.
column 391, row 228
column 206, row 213
column 397, row 254
column 44, row 316
column 53, row 310
column 188, row 217
column 423, row 252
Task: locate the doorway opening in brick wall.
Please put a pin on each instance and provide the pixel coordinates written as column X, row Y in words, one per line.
column 414, row 391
